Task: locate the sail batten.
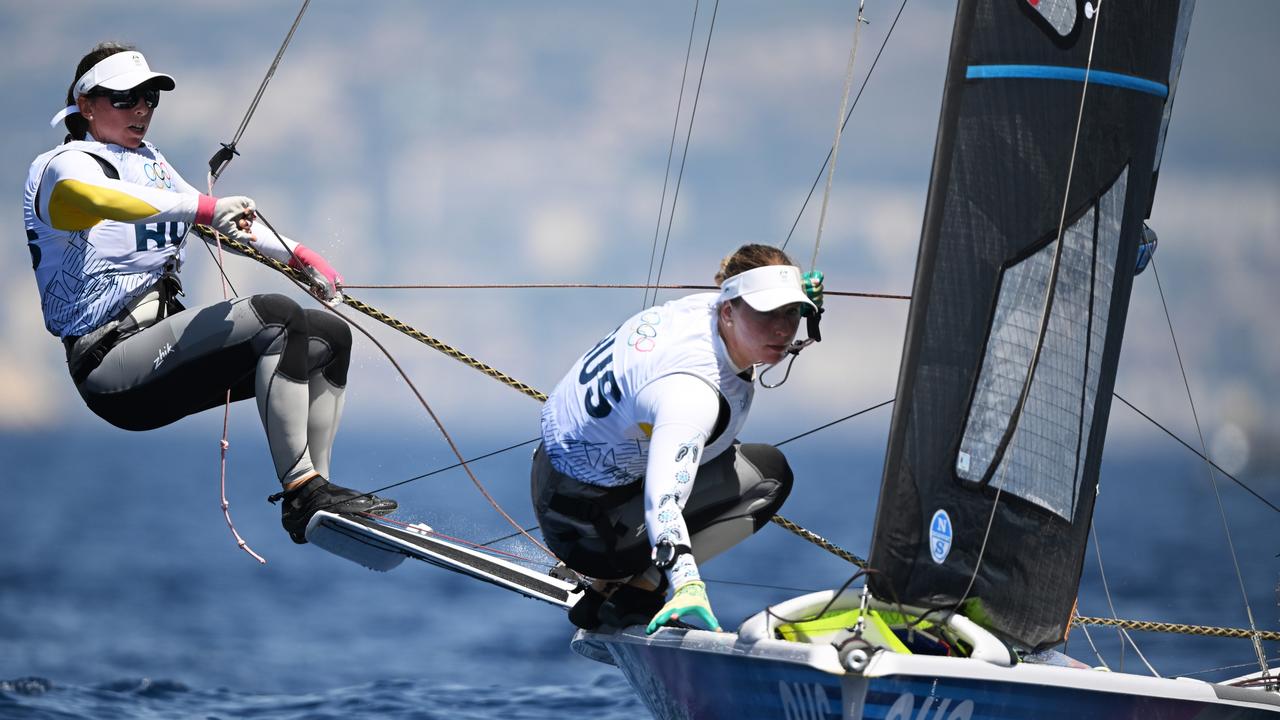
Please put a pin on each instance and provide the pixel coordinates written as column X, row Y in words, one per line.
column 1073, row 74
column 987, row 497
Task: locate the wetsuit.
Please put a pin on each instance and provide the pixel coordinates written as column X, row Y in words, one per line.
column 639, row 447
column 105, row 226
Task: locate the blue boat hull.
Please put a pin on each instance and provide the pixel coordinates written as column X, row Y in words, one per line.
column 723, row 678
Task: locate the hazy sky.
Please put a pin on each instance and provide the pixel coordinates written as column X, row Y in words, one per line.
column 427, row 142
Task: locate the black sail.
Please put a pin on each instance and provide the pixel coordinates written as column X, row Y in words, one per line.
column 992, row 468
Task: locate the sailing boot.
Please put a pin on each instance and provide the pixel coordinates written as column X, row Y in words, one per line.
column 630, row 605
column 586, row 612
column 317, row 493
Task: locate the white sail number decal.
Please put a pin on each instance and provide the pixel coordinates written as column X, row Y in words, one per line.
column 931, row 708
column 803, row 701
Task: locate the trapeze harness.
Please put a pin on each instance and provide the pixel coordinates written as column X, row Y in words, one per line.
column 638, row 449
column 105, row 226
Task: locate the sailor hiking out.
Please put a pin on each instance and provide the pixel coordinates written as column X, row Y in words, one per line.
column 640, row 476
column 106, row 217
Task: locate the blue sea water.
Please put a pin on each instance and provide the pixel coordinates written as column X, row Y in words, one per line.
column 122, row 594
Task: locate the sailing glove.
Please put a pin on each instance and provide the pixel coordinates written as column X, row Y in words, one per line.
column 812, row 282
column 689, row 603
column 325, row 281
column 228, row 214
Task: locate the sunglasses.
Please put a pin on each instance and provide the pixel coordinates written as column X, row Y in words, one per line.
column 126, row 99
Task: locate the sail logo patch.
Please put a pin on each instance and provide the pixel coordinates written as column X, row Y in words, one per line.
column 1061, row 19
column 940, row 536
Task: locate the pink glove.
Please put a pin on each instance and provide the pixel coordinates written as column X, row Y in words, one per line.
column 326, row 281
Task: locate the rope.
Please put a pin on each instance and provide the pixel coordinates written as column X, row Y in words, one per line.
column 666, row 174
column 819, row 541
column 693, row 113
column 1213, row 480
column 382, row 317
column 221, row 159
column 835, row 144
column 598, row 286
column 1199, row 454
column 1178, row 628
column 302, row 281
column 217, row 164
column 848, row 115
column 445, row 348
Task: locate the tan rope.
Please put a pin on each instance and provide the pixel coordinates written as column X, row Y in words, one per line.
column 449, row 350
column 819, row 541
column 383, row 317
column 1179, row 628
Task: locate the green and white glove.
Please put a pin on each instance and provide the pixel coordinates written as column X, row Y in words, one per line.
column 689, row 602
column 812, row 282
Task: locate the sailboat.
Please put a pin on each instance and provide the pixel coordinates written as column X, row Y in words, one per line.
column 1047, row 158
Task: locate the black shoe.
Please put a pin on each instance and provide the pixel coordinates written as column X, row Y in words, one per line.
column 586, row 612
column 630, row 605
column 320, row 494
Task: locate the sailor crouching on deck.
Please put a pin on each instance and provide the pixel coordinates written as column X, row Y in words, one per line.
column 106, row 216
column 639, row 475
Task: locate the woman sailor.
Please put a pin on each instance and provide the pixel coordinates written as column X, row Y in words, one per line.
column 106, row 216
column 639, row 476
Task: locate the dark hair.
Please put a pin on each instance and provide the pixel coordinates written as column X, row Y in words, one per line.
column 77, row 126
column 750, row 257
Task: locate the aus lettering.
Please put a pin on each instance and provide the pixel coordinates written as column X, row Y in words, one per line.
column 156, row 233
column 931, row 708
column 804, row 701
column 601, row 384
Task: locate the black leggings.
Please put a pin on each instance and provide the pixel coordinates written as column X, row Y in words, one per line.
column 293, row 360
column 600, row 531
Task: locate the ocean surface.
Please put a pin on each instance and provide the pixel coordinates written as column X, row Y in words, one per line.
column 123, row 594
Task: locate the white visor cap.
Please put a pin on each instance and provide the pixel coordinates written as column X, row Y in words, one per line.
column 767, row 288
column 121, row 71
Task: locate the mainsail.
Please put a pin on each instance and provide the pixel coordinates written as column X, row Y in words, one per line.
column 997, row 434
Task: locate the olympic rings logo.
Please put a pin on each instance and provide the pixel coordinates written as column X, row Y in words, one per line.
column 642, row 338
column 158, row 174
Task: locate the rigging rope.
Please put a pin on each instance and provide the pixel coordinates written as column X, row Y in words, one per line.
column 221, row 159
column 693, row 113
column 1213, row 481
column 835, row 144
column 817, row 178
column 217, row 164
column 298, row 277
column 1179, row 628
column 1199, row 454
column 666, row 174
column 597, row 286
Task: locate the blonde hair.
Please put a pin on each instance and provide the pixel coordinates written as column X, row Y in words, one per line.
column 750, row 257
